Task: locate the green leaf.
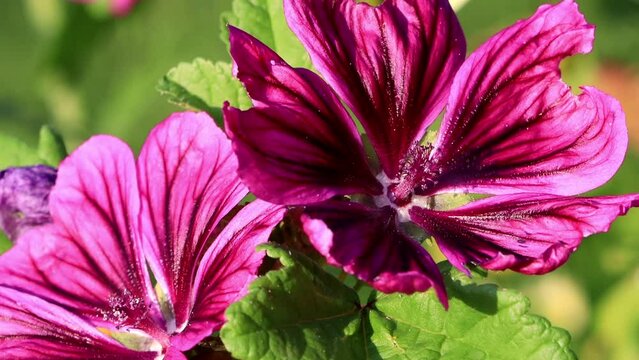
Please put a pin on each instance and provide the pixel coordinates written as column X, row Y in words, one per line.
column 265, row 20
column 5, row 243
column 298, row 312
column 203, row 85
column 303, row 312
column 482, row 322
column 51, row 147
column 16, row 153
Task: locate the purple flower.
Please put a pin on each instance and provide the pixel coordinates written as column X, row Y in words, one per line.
column 142, row 258
column 512, row 129
column 24, row 198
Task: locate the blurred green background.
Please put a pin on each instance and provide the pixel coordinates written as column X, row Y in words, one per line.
column 82, row 72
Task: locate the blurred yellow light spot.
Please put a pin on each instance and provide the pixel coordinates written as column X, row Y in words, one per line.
column 559, row 298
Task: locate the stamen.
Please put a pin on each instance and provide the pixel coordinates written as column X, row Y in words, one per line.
column 415, row 173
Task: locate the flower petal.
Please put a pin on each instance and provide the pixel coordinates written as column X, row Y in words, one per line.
column 299, row 144
column 24, row 198
column 367, row 243
column 514, row 126
column 188, row 183
column 528, row 233
column 122, row 7
column 392, row 64
column 228, row 267
column 90, row 259
column 31, row 328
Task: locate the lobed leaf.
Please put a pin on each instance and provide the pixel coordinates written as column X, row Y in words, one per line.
column 483, row 322
column 203, row 85
column 303, row 312
column 298, row 312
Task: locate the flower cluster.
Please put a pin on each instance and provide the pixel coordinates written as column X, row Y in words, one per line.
column 118, row 258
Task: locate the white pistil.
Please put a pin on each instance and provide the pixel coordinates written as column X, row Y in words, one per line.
column 438, row 202
column 402, row 211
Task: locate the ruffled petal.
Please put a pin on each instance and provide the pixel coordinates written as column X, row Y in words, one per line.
column 514, row 126
column 528, row 233
column 90, row 259
column 367, row 243
column 228, row 267
column 392, row 64
column 188, row 183
column 32, row 329
column 298, row 145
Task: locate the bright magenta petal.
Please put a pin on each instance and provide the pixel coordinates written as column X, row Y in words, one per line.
column 90, row 260
column 514, row 126
column 227, row 268
column 32, row 329
column 392, row 64
column 367, row 243
column 188, row 183
column 298, row 145
column 529, row 233
column 122, row 7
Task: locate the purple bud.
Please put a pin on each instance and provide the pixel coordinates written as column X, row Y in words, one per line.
column 24, row 198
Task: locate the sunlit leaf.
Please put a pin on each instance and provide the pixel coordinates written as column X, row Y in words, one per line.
column 303, row 312
column 203, row 85
column 298, row 312
column 265, row 20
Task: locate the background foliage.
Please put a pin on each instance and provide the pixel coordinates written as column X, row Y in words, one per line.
column 81, row 72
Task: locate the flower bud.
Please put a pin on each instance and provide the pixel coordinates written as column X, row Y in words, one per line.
column 24, row 198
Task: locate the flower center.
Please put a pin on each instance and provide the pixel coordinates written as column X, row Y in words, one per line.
column 400, row 197
column 414, row 173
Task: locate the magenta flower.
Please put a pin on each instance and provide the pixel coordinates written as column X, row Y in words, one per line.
column 512, row 129
column 141, row 260
column 116, row 7
column 24, row 198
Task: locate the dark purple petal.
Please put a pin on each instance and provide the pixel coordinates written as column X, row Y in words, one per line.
column 298, row 145
column 90, row 259
column 528, row 233
column 31, row 329
column 188, row 183
column 514, row 126
column 392, row 64
column 367, row 243
column 227, row 269
column 24, row 198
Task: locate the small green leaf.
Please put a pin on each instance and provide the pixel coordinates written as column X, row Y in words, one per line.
column 298, row 312
column 303, row 312
column 265, row 20
column 5, row 243
column 16, row 153
column 51, row 147
column 203, row 85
